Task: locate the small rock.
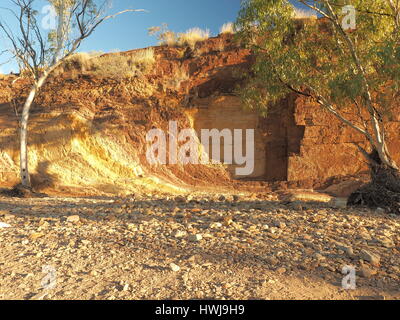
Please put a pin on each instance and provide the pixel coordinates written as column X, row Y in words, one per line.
column 365, row 236
column 215, row 225
column 4, row 225
column 366, row 272
column 347, row 249
column 36, row 235
column 73, row 219
column 228, row 220
column 296, row 205
column 195, row 237
column 374, row 259
column 174, row 267
column 180, row 199
column 179, row 234
column 272, row 261
column 272, row 230
column 132, row 227
column 319, row 257
column 385, row 242
column 380, row 211
column 235, row 197
column 281, row 270
column 279, row 224
column 222, row 198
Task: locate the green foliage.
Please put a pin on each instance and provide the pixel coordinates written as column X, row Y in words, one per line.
column 312, row 55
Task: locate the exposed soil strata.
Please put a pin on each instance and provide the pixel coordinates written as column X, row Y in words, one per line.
column 88, row 134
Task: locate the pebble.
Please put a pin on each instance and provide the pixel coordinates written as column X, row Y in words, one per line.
column 366, row 272
column 281, row 270
column 372, row 258
column 215, row 225
column 195, row 237
column 235, row 197
column 272, row 261
column 279, row 224
column 174, row 267
column 73, row 219
column 180, row 199
column 296, row 205
column 385, row 242
column 132, row 227
column 380, row 211
column 179, row 234
column 36, row 235
column 347, row 249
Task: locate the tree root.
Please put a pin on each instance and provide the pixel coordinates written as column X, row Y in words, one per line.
column 20, row 191
column 376, row 196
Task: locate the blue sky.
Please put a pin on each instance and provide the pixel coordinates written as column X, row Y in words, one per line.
column 129, row 31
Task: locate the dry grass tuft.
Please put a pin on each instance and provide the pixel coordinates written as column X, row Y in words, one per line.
column 180, row 75
column 304, row 14
column 192, row 36
column 227, row 28
column 170, row 38
column 114, row 65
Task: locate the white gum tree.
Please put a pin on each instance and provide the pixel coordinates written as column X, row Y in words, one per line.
column 39, row 46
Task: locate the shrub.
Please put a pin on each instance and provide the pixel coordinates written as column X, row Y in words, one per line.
column 304, row 14
column 164, row 35
column 144, row 57
column 112, row 65
column 192, row 36
column 77, row 63
column 170, row 38
column 227, row 28
column 180, row 75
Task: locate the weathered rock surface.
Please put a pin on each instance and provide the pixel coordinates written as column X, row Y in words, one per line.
column 88, row 134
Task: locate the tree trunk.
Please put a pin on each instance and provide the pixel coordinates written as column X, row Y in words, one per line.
column 384, row 189
column 24, row 167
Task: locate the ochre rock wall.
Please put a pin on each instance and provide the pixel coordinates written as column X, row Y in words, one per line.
column 89, row 133
column 327, row 146
column 226, row 112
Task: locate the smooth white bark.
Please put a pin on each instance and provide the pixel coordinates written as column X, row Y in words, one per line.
column 24, row 160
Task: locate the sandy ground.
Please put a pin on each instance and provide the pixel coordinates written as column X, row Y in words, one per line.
column 204, row 246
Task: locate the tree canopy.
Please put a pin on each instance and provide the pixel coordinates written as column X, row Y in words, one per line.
column 319, row 58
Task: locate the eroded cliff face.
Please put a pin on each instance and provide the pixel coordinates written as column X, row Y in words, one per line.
column 88, row 135
column 327, row 146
